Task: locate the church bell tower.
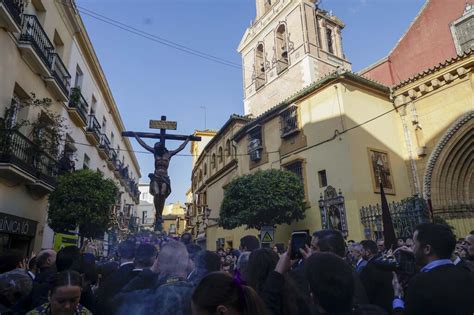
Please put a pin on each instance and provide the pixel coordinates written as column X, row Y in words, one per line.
column 291, row 44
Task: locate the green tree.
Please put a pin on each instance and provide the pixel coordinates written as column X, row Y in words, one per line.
column 264, row 198
column 82, row 199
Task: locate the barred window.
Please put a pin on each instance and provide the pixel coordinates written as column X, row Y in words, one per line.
column 289, row 121
column 296, row 168
column 254, row 147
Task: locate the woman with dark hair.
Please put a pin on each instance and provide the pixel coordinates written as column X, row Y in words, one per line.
column 219, row 293
column 64, row 296
column 262, row 277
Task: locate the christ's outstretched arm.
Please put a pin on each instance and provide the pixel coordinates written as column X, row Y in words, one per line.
column 143, row 144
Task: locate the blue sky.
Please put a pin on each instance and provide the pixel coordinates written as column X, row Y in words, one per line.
column 148, row 79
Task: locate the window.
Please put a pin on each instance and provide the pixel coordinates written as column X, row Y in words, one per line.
column 227, row 148
column 221, row 155
column 323, row 180
column 104, row 125
column 254, row 147
column 213, row 160
column 58, row 44
column 205, row 169
column 281, row 48
column 296, row 168
column 93, row 105
column 78, row 78
column 329, row 40
column 144, row 217
column 112, row 136
column 200, row 175
column 87, row 161
column 259, row 67
column 289, row 121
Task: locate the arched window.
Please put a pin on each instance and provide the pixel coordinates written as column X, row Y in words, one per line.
column 329, row 40
column 221, row 155
column 259, row 67
column 281, row 43
column 227, row 148
column 213, row 160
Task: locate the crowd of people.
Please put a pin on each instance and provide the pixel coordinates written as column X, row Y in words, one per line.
column 430, row 273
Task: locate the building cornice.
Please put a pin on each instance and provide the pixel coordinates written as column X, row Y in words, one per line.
column 336, row 76
column 433, row 78
column 228, row 124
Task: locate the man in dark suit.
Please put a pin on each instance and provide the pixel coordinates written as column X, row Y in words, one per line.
column 118, row 279
column 440, row 287
column 356, row 252
column 329, row 241
column 377, row 282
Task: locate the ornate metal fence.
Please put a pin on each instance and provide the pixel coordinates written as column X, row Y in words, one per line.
column 405, row 214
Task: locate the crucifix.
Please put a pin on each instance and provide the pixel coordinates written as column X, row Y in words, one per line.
column 160, row 183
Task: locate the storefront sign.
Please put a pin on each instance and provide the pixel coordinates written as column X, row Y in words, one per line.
column 17, row 225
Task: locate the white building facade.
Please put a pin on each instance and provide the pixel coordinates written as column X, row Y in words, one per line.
column 45, row 50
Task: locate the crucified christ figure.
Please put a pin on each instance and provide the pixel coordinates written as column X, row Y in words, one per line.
column 160, row 184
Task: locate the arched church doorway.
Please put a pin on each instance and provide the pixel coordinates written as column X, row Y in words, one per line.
column 449, row 176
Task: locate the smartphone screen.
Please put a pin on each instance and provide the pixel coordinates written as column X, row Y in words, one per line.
column 298, row 240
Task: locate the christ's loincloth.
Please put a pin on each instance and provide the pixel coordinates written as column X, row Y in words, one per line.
column 156, row 185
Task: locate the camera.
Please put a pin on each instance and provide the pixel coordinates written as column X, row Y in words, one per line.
column 401, row 262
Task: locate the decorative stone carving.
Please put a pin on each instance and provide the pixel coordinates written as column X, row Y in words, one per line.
column 439, row 148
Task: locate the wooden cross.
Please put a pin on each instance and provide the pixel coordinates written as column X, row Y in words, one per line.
column 163, row 125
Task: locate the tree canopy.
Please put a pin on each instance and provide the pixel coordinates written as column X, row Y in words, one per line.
column 82, row 199
column 264, row 198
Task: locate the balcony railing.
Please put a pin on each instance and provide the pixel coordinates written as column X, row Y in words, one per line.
column 60, row 73
column 48, row 168
column 32, row 32
column 17, row 149
column 94, row 126
column 112, row 155
column 15, row 7
column 78, row 102
column 105, row 144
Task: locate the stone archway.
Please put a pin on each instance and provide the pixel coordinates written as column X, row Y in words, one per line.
column 449, row 174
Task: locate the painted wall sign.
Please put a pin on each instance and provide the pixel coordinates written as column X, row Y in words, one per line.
column 17, row 225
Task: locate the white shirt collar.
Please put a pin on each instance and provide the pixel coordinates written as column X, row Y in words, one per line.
column 457, row 260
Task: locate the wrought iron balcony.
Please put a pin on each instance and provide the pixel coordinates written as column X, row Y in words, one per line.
column 10, row 14
column 48, row 168
column 78, row 107
column 61, row 79
column 35, row 45
column 18, row 151
column 117, row 167
column 93, row 130
column 104, row 147
column 111, row 158
column 22, row 161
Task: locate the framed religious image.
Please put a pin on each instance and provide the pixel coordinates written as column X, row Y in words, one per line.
column 380, row 168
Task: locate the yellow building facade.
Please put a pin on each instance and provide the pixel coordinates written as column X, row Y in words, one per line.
column 340, row 133
column 436, row 118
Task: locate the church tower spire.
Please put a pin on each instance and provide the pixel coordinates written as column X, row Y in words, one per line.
column 290, row 44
